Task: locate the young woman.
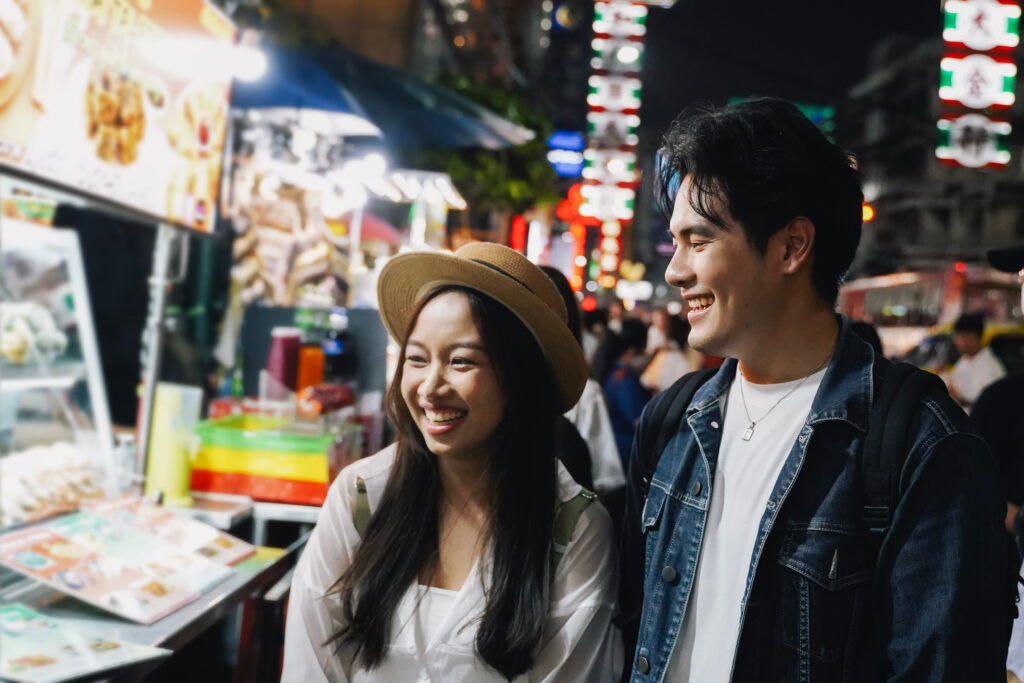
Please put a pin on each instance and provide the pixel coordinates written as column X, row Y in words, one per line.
column 464, row 551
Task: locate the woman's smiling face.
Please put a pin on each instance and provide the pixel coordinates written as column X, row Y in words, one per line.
column 449, row 384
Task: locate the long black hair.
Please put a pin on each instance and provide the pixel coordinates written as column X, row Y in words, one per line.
column 402, row 537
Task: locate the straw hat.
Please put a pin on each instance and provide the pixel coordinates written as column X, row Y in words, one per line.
column 506, row 276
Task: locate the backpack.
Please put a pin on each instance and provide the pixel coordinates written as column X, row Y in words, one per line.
column 883, row 456
column 566, row 516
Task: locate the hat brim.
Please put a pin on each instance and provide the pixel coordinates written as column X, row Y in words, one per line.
column 407, row 278
column 1009, row 259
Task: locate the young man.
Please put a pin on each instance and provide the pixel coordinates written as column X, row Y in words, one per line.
column 749, row 554
column 977, row 366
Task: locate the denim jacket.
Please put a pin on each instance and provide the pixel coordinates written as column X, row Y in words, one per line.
column 932, row 608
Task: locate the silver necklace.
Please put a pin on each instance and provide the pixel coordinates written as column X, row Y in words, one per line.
column 748, row 433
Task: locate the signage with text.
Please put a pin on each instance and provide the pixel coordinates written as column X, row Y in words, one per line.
column 122, row 99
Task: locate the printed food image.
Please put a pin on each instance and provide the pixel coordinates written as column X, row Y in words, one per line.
column 156, row 589
column 13, row 666
column 114, row 114
column 94, row 645
column 19, row 30
column 196, row 127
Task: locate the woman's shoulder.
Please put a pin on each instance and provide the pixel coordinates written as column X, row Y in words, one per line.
column 568, row 488
column 373, row 470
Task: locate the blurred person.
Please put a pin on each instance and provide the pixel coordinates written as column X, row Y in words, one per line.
column 615, row 316
column 442, row 556
column 590, row 414
column 594, row 325
column 657, row 331
column 998, row 415
column 746, row 552
column 868, row 333
column 618, row 363
column 977, row 366
column 672, row 359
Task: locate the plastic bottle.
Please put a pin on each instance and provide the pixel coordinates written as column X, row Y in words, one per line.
column 337, row 349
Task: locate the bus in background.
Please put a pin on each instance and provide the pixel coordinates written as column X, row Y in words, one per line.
column 906, row 308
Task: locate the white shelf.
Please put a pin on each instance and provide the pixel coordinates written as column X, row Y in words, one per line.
column 60, row 375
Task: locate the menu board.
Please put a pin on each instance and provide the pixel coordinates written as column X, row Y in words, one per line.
column 37, row 649
column 122, row 99
column 102, row 580
column 183, row 532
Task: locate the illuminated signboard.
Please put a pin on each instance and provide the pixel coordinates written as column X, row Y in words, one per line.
column 978, row 81
column 973, row 140
column 982, row 25
column 126, row 100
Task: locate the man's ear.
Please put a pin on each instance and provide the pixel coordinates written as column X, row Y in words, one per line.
column 797, row 244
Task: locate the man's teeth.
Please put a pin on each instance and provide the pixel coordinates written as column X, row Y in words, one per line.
column 700, row 303
column 443, row 416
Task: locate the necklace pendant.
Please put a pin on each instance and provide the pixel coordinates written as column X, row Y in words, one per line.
column 749, row 433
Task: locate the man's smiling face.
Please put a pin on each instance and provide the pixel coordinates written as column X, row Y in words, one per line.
column 722, row 278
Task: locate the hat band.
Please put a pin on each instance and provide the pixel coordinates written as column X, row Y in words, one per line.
column 505, row 273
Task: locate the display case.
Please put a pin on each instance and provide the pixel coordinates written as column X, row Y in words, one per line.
column 56, row 445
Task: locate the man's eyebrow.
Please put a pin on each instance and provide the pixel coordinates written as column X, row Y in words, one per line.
column 694, row 230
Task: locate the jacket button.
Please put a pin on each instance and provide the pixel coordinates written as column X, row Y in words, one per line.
column 695, row 489
column 642, row 665
column 669, row 574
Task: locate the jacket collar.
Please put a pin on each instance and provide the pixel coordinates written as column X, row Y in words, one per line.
column 846, row 391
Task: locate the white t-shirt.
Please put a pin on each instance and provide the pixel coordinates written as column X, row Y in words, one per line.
column 972, row 374
column 744, row 479
column 579, row 641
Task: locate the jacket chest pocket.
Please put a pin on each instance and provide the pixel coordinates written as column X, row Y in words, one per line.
column 650, row 517
column 824, row 587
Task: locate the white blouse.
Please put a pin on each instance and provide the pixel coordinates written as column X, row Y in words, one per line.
column 579, row 641
column 590, row 415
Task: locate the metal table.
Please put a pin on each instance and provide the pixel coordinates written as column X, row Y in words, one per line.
column 251, row 577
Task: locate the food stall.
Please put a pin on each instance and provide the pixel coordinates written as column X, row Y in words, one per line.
column 121, row 107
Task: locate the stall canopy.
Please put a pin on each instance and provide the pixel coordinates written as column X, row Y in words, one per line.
column 295, row 87
column 413, row 113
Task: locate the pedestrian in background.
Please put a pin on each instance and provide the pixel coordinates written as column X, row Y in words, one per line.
column 617, row 364
column 977, row 366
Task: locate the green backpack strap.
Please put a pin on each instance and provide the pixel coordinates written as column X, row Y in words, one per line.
column 565, row 523
column 361, row 513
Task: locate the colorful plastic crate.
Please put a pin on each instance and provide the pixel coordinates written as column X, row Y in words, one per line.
column 258, row 456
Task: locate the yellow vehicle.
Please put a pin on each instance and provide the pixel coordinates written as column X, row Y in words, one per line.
column 907, row 308
column 937, row 352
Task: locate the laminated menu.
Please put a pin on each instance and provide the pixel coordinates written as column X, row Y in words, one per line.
column 36, row 649
column 105, row 581
column 183, row 532
column 141, row 550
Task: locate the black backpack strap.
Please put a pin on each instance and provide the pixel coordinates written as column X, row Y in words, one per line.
column 885, row 445
column 659, row 424
column 666, row 414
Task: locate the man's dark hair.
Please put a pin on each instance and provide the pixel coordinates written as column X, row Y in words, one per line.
column 970, row 322
column 763, row 163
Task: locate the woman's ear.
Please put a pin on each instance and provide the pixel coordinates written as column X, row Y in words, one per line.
column 797, row 244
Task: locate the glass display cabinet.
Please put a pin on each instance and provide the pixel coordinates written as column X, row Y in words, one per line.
column 56, row 444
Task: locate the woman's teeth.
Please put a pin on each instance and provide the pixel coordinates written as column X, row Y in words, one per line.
column 443, row 416
column 700, row 303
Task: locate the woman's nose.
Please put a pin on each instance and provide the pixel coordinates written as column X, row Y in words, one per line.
column 434, row 381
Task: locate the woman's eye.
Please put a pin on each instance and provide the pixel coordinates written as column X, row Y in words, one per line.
column 416, row 360
column 462, row 362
